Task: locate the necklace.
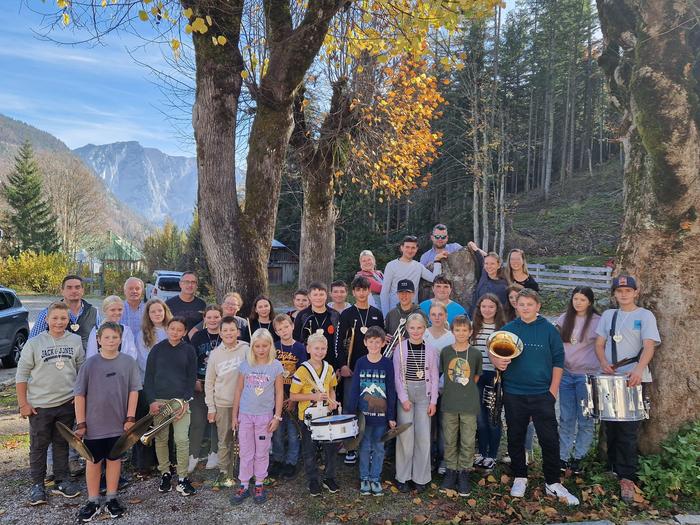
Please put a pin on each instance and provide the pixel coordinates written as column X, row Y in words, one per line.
column 319, row 325
column 420, row 372
column 618, row 336
column 363, row 328
column 213, row 343
column 60, row 363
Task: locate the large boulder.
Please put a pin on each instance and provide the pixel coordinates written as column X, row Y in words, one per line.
column 461, row 268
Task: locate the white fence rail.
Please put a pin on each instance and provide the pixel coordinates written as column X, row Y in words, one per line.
column 554, row 276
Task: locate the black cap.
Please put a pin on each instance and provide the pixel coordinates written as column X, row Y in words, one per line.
column 405, row 285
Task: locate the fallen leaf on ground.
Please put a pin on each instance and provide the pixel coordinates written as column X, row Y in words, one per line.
column 471, row 502
column 491, row 479
column 505, row 479
column 134, row 501
column 421, row 518
column 417, row 501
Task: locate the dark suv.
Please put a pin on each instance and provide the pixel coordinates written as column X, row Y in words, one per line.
column 14, row 327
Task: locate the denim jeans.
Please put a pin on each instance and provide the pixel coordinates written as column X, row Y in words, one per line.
column 287, row 429
column 489, row 436
column 575, row 430
column 372, row 453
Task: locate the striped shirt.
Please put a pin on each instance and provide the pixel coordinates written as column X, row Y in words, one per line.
column 480, row 344
column 415, row 362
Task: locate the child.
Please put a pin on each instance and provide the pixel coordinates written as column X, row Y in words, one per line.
column 257, row 412
column 291, row 354
column 315, row 381
column 45, row 378
column 442, row 289
column 339, row 294
column 261, row 317
column 318, row 318
column 405, row 293
column 106, row 394
column 461, row 364
column 416, row 378
column 112, row 310
column 300, row 301
column 374, row 394
column 171, row 370
column 220, row 384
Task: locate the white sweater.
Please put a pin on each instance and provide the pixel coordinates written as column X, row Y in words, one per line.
column 397, row 270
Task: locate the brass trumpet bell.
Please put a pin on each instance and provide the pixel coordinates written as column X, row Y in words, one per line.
column 505, row 345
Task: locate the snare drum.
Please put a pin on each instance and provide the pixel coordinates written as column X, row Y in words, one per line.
column 332, row 429
column 610, row 399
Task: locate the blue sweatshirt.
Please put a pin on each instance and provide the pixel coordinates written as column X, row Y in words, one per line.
column 531, row 372
column 372, row 391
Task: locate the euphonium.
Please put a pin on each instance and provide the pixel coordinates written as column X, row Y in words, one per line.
column 505, row 345
column 169, row 411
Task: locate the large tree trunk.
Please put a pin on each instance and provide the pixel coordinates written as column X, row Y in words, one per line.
column 652, row 63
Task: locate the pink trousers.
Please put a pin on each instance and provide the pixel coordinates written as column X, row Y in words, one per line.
column 255, row 442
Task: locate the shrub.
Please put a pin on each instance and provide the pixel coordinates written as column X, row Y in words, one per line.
column 114, row 280
column 35, row 272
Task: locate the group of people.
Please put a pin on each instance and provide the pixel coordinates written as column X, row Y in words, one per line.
column 248, row 387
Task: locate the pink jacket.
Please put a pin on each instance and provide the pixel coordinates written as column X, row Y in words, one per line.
column 432, row 375
column 375, row 280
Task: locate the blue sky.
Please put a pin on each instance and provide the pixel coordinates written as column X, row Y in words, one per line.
column 84, row 94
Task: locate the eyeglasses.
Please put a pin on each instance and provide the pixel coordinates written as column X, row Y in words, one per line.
column 440, row 237
column 188, row 282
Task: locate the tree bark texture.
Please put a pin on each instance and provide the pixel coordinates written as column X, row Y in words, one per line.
column 651, row 59
column 460, row 268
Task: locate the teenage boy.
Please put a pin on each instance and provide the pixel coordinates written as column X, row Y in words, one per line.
column 626, row 332
column 461, row 365
column 339, row 296
column 300, row 301
column 352, row 328
column 315, row 381
column 530, row 385
column 171, row 371
column 373, row 394
column 186, row 304
column 220, row 383
column 405, row 292
column 318, row 319
column 46, row 373
column 442, row 289
column 291, row 354
column 106, row 394
column 406, row 268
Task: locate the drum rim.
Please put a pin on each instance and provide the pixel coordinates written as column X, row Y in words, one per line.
column 339, row 418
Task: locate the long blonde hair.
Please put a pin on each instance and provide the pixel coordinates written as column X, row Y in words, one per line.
column 148, row 329
column 510, row 270
column 261, row 334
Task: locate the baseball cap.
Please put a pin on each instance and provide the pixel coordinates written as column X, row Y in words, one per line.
column 624, row 281
column 405, row 285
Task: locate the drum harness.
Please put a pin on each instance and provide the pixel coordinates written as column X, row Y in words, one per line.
column 624, row 362
column 319, row 384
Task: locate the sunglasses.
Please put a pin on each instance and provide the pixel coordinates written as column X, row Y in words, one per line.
column 440, row 237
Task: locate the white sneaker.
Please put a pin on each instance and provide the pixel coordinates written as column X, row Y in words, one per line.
column 442, row 468
column 212, row 461
column 192, row 464
column 560, row 491
column 518, row 488
column 488, row 463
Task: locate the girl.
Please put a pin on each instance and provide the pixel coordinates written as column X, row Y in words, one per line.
column 261, row 317
column 517, row 270
column 492, row 280
column 416, row 379
column 257, row 412
column 203, row 441
column 488, row 318
column 230, row 306
column 438, row 335
column 112, row 309
column 578, row 331
column 368, row 268
column 509, row 308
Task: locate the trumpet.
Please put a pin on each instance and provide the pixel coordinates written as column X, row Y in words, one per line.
column 398, row 334
column 169, row 411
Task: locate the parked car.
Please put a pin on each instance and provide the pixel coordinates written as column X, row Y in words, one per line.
column 166, row 284
column 14, row 327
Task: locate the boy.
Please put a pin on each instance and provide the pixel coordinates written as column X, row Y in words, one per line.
column 373, row 393
column 461, row 365
column 405, row 291
column 45, row 377
column 442, row 289
column 219, row 386
column 626, row 332
column 171, row 370
column 315, row 381
column 291, row 354
column 318, row 318
column 106, row 394
column 530, row 385
column 405, row 268
column 339, row 295
column 300, row 301
column 352, row 328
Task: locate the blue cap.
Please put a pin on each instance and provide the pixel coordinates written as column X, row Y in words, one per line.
column 624, row 281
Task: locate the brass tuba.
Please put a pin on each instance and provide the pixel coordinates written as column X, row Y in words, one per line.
column 169, row 411
column 505, row 345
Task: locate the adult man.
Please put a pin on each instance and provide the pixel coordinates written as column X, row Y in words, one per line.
column 318, row 318
column 439, row 238
column 530, row 385
column 405, row 292
column 133, row 304
column 626, row 332
column 186, row 304
column 442, row 289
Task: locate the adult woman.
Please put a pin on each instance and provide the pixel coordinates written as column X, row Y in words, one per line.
column 509, row 310
column 261, row 317
column 368, row 268
column 578, row 331
column 492, row 280
column 437, row 335
column 230, row 306
column 517, row 270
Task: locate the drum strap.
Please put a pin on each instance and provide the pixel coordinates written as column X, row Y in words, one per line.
column 318, row 380
column 613, row 347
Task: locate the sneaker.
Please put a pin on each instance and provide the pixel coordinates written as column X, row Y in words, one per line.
column 488, row 463
column 238, row 496
column 449, row 482
column 365, row 488
column 518, row 488
column 420, row 487
column 575, row 467
column 376, row 488
column 166, row 482
column 350, row 458
column 560, row 491
column 37, row 494
column 478, row 460
column 442, row 468
column 260, row 495
column 314, row 488
column 563, row 465
column 185, row 488
column 88, row 511
column 212, row 461
column 289, row 471
column 627, row 490
column 463, row 484
column 67, row 489
column 114, row 508
column 192, row 464
column 76, row 467
column 330, row 485
column 274, row 469
column 403, row 487
column 505, row 459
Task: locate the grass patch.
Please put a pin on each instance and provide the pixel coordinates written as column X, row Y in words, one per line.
column 13, row 441
column 8, row 398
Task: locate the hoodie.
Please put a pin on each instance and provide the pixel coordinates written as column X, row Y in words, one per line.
column 531, row 372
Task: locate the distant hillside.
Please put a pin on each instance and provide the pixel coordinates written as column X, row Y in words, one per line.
column 14, row 132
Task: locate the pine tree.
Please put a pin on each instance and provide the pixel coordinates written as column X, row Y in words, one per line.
column 31, row 221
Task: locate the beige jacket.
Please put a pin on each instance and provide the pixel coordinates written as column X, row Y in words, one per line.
column 222, row 374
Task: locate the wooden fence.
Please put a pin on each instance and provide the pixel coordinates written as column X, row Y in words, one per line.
column 554, row 276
